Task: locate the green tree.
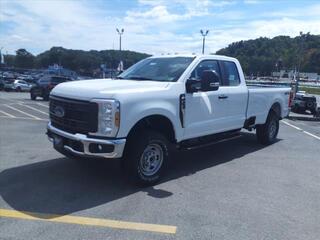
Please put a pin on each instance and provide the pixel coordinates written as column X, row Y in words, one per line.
column 24, row 59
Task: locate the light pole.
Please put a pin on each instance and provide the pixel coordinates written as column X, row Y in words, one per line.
column 204, row 34
column 120, row 32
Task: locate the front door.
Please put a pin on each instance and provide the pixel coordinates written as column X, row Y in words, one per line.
column 213, row 111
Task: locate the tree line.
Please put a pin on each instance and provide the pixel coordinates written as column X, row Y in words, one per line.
column 83, row 62
column 257, row 57
column 264, row 55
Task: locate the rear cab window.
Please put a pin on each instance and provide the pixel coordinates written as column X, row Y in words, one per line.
column 230, row 74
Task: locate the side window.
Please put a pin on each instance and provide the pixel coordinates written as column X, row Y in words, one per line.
column 231, row 73
column 205, row 65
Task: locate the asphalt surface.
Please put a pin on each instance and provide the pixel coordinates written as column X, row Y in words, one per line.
column 232, row 190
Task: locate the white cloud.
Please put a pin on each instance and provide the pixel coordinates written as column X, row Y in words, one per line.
column 152, row 26
column 252, row 1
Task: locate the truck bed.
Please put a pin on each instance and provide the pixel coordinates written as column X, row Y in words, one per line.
column 261, row 98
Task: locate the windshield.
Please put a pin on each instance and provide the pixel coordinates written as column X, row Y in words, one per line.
column 157, row 69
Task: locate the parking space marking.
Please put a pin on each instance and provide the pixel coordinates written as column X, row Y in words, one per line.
column 32, row 108
column 99, row 222
column 295, row 127
column 7, row 114
column 25, row 118
column 18, row 110
column 43, row 105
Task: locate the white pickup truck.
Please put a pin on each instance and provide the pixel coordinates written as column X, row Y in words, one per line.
column 181, row 101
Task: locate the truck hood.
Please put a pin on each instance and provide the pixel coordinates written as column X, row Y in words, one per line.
column 105, row 88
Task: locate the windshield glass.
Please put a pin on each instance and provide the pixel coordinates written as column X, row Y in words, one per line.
column 157, row 69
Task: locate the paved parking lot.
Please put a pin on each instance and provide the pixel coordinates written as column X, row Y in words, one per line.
column 233, row 190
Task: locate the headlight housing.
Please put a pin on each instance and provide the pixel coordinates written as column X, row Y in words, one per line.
column 108, row 117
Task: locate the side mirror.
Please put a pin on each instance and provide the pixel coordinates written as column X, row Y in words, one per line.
column 193, row 86
column 210, row 81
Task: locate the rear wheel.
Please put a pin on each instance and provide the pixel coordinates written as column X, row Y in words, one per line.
column 146, row 157
column 32, row 95
column 267, row 133
column 18, row 89
column 46, row 97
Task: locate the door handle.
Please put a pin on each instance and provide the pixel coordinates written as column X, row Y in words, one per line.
column 222, row 96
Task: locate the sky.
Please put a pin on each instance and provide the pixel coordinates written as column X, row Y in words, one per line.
column 150, row 26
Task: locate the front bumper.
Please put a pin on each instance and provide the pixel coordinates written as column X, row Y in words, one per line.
column 88, row 146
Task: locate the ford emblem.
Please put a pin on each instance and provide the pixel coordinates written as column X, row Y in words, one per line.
column 58, row 111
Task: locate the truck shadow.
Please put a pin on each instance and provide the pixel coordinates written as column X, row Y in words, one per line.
column 63, row 186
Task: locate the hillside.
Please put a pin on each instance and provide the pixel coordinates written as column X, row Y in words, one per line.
column 263, row 55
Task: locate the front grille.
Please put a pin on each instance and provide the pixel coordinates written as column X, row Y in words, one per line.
column 77, row 117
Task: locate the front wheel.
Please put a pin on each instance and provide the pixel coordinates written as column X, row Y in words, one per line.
column 146, row 157
column 267, row 133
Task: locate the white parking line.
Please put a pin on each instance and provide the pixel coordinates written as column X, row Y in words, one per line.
column 292, row 125
column 7, row 114
column 37, row 110
column 312, row 135
column 25, row 118
column 295, row 127
column 18, row 110
column 43, row 105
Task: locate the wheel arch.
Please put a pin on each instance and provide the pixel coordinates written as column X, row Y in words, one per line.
column 276, row 107
column 156, row 122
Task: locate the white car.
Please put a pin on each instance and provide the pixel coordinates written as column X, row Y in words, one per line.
column 181, row 101
column 18, row 85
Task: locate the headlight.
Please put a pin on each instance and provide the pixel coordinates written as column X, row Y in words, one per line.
column 108, row 117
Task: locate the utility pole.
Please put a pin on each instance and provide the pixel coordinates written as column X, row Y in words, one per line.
column 204, row 34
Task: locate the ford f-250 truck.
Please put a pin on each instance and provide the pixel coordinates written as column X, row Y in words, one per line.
column 183, row 101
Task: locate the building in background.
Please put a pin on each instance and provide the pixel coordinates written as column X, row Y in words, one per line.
column 289, row 75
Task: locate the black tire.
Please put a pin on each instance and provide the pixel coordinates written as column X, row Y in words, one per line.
column 310, row 105
column 267, row 133
column 33, row 96
column 46, row 97
column 18, row 89
column 146, row 157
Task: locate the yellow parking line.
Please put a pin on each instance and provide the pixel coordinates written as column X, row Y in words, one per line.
column 89, row 221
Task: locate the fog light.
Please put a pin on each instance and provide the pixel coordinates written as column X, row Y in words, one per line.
column 101, row 148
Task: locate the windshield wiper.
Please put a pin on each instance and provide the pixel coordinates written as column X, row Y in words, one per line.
column 140, row 78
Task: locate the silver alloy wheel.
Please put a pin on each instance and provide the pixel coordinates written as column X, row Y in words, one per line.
column 272, row 129
column 151, row 159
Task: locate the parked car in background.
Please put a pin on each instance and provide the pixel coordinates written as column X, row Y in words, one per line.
column 44, row 85
column 8, row 85
column 304, row 102
column 16, row 85
column 21, row 85
column 1, row 84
